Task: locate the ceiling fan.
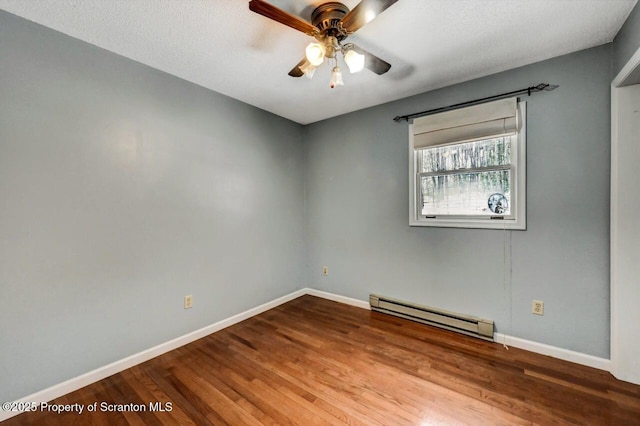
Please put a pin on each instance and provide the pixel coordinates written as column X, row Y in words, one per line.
column 331, row 23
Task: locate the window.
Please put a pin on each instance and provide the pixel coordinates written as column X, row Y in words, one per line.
column 467, row 167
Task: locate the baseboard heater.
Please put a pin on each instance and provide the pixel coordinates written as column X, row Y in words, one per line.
column 471, row 326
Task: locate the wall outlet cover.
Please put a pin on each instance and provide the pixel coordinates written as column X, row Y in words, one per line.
column 537, row 307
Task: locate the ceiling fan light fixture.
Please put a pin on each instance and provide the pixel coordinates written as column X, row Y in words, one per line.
column 308, row 70
column 315, row 53
column 330, row 24
column 354, row 61
column 336, row 78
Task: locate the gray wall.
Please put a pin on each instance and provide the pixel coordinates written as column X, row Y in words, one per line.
column 357, row 210
column 627, row 40
column 122, row 189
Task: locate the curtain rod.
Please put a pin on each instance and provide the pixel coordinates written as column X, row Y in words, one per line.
column 529, row 90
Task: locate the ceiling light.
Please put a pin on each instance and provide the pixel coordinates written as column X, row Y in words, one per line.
column 308, row 70
column 336, row 78
column 354, row 60
column 315, row 53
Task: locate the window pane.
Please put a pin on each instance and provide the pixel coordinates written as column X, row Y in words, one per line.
column 485, row 153
column 479, row 193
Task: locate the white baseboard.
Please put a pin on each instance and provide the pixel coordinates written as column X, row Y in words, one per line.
column 516, row 342
column 554, row 351
column 337, row 298
column 83, row 380
column 76, row 383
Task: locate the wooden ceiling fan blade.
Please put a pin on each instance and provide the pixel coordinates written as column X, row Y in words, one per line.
column 297, row 71
column 371, row 61
column 270, row 11
column 364, row 12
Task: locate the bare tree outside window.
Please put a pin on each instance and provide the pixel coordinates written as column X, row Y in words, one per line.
column 472, row 178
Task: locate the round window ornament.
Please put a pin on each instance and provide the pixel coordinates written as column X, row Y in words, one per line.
column 498, row 203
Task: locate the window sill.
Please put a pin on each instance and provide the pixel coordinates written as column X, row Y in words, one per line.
column 471, row 223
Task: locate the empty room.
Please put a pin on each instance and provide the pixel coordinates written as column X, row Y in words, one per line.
column 367, row 212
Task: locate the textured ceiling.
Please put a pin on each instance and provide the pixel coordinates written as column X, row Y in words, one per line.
column 221, row 45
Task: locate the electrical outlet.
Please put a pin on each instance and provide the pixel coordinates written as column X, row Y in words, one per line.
column 325, row 270
column 188, row 301
column 537, row 307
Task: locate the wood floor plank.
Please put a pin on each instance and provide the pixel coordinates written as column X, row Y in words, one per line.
column 317, row 362
column 148, row 391
column 208, row 375
column 270, row 371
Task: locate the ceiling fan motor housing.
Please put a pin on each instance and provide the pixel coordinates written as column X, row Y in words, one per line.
column 326, row 18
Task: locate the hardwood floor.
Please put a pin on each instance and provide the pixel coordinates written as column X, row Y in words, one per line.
column 317, row 362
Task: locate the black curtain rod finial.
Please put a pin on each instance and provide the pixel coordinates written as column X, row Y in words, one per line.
column 543, row 86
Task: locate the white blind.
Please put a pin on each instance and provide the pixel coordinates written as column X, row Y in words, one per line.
column 476, row 122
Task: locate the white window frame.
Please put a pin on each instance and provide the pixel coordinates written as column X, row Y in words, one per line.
column 517, row 220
